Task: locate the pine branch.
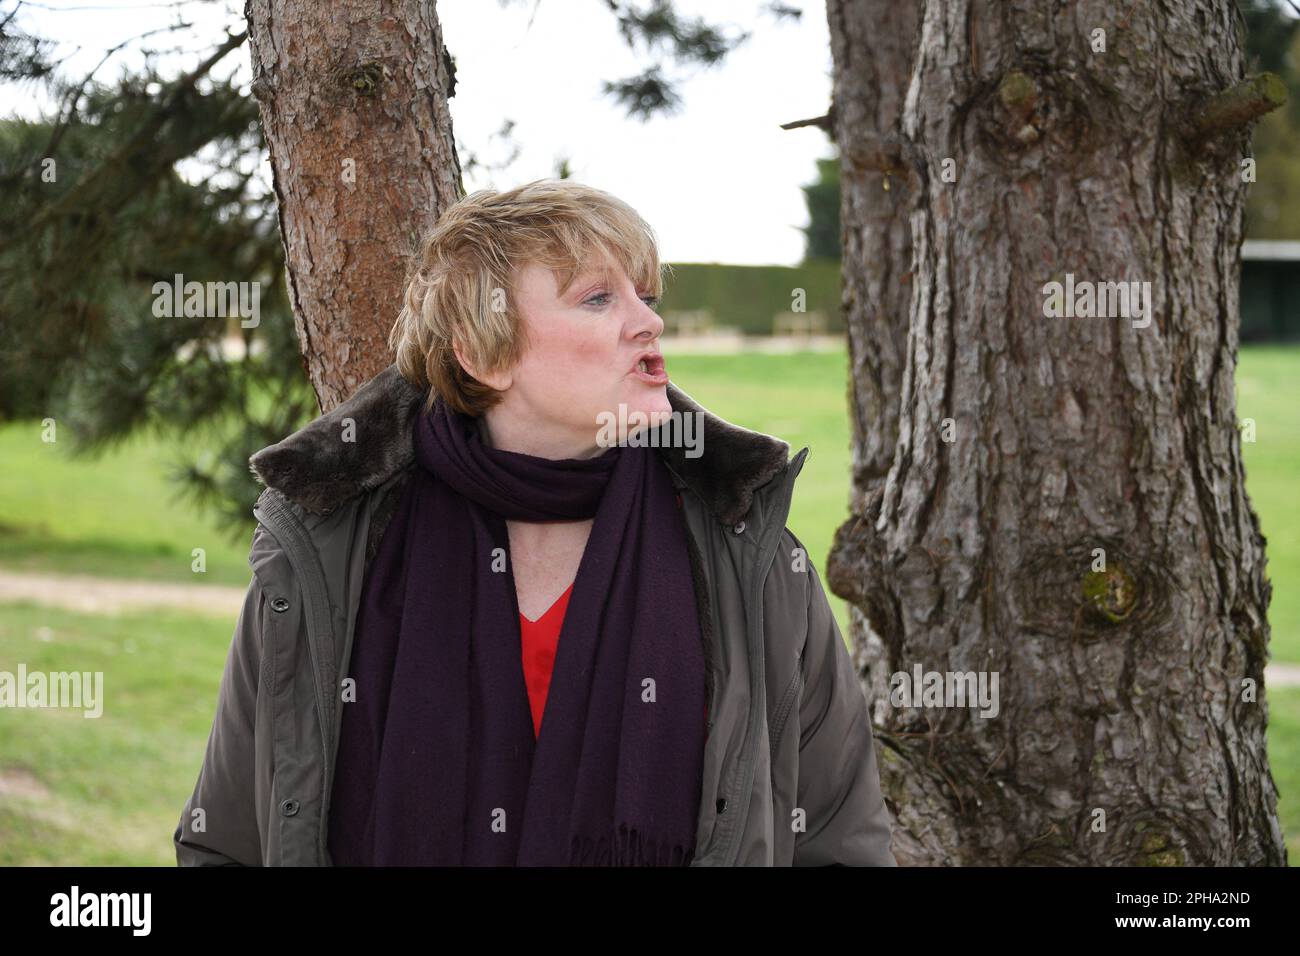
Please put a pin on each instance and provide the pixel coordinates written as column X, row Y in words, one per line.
column 69, row 108
column 140, row 139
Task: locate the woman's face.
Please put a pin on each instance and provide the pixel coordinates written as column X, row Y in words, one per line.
column 589, row 351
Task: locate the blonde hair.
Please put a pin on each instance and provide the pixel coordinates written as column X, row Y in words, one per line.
column 461, row 288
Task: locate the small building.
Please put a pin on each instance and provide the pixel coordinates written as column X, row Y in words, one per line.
column 1270, row 290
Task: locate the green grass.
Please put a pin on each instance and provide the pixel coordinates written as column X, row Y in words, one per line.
column 1268, row 391
column 116, row 515
column 801, row 399
column 114, row 784
column 1284, row 762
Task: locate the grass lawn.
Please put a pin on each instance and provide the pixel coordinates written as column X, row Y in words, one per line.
column 116, row 515
column 1284, row 762
column 1268, row 391
column 107, row 790
column 801, row 399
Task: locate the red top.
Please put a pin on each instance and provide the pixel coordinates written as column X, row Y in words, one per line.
column 539, row 639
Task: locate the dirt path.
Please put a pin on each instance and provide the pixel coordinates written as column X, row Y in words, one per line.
column 93, row 595
column 1282, row 675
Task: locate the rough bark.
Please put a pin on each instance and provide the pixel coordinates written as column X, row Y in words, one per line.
column 1125, row 733
column 353, row 96
column 872, row 45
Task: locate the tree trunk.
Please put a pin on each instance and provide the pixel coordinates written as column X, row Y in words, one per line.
column 1066, row 506
column 872, row 45
column 353, row 96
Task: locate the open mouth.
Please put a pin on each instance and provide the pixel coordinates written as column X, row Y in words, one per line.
column 650, row 369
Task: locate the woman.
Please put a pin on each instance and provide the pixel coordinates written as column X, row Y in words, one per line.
column 484, row 629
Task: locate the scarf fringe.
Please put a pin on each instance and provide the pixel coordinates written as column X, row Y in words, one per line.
column 628, row 847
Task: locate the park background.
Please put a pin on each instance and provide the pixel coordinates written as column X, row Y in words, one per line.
column 98, row 529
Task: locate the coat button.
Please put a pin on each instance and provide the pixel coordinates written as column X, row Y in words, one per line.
column 721, row 804
column 288, row 807
column 740, row 528
column 279, row 604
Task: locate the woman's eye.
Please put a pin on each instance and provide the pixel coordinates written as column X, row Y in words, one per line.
column 602, row 299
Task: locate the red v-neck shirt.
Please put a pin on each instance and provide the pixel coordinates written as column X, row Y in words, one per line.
column 539, row 639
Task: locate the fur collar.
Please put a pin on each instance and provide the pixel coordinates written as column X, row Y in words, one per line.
column 315, row 469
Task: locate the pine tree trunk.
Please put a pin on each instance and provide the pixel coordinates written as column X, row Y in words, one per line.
column 872, row 45
column 353, row 96
column 1066, row 505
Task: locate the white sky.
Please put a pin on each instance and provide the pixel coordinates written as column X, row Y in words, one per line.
column 719, row 181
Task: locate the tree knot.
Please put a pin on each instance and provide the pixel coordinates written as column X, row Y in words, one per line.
column 365, row 79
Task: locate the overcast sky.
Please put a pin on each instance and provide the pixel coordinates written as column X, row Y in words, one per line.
column 719, row 181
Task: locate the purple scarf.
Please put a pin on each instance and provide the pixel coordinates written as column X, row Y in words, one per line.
column 437, row 762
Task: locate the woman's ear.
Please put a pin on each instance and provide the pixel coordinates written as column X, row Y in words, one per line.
column 499, row 380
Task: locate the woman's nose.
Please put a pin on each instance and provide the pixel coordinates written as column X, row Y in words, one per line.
column 651, row 321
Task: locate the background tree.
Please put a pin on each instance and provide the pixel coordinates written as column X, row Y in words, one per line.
column 1065, row 505
column 822, row 197
column 1273, row 41
column 95, row 214
column 354, row 107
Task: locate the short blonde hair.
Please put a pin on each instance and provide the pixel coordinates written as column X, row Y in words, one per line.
column 476, row 249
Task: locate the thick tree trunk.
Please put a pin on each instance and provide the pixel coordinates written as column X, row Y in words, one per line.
column 1066, row 506
column 353, row 95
